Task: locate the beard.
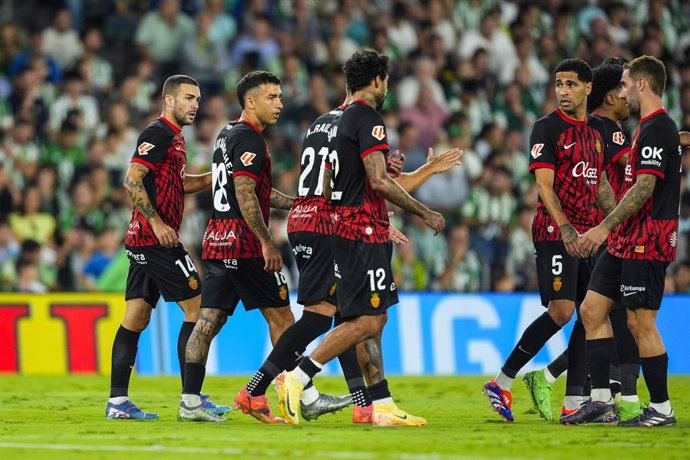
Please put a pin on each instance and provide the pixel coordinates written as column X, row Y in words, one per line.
column 634, row 107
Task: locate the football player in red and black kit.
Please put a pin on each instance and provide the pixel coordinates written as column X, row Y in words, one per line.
column 567, row 160
column 156, row 182
column 241, row 262
column 361, row 241
column 642, row 234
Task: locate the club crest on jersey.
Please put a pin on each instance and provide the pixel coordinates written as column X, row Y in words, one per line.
column 597, row 145
column 282, row 292
column 331, row 291
column 618, row 137
column 557, row 284
column 375, row 300
column 536, row 150
column 144, row 148
column 378, row 132
column 193, row 282
column 639, row 249
column 247, row 158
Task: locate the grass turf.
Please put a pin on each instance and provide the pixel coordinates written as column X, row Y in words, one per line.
column 63, row 417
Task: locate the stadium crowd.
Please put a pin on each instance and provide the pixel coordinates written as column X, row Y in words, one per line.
column 80, row 79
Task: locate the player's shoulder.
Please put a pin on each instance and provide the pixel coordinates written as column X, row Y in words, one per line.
column 550, row 123
column 243, row 131
column 158, row 130
column 359, row 109
column 598, row 121
column 660, row 123
column 329, row 116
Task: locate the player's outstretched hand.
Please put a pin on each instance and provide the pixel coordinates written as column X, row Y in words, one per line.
column 592, row 240
column 165, row 234
column 272, row 258
column 435, row 221
column 444, row 161
column 394, row 164
column 396, row 235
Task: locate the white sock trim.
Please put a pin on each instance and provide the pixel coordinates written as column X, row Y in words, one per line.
column 504, row 381
column 549, row 376
column 118, row 400
column 309, row 395
column 601, row 394
column 663, row 408
column 190, row 400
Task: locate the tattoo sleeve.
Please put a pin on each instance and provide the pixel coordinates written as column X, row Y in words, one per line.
column 134, row 184
column 280, row 200
column 548, row 196
column 632, row 201
column 327, row 177
column 375, row 166
column 205, row 330
column 249, row 205
column 605, row 198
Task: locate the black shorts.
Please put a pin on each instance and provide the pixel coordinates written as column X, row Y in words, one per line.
column 561, row 276
column 156, row 270
column 632, row 283
column 314, row 256
column 228, row 281
column 363, row 277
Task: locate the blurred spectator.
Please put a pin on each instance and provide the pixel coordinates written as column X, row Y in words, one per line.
column 203, row 58
column 400, row 31
column 26, row 101
column 428, row 247
column 408, row 144
column 81, row 107
column 65, row 154
column 461, row 270
column 161, row 33
column 9, row 194
column 61, row 42
column 29, row 222
column 95, row 70
column 410, row 87
column 521, row 263
column 107, row 245
column 28, row 279
column 409, row 272
column 258, row 40
column 223, row 27
column 49, row 190
column 82, row 212
column 21, row 152
column 427, row 116
column 9, row 251
column 681, row 277
column 138, row 90
column 34, row 56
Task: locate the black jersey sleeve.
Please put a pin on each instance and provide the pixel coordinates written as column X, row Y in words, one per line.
column 656, row 143
column 617, row 144
column 542, row 147
column 371, row 132
column 152, row 146
column 248, row 155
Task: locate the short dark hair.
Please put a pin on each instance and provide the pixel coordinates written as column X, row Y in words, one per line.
column 580, row 67
column 253, row 80
column 650, row 69
column 615, row 60
column 364, row 66
column 173, row 83
column 605, row 78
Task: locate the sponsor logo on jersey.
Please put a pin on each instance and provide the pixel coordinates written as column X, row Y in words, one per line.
column 306, row 251
column 331, row 291
column 582, row 169
column 247, row 158
column 557, row 284
column 651, row 156
column 393, row 286
column 628, row 173
column 282, row 292
column 639, row 249
column 597, row 145
column 630, row 290
column 144, row 148
column 375, row 300
column 230, row 263
column 536, row 150
column 138, row 258
column 379, row 132
column 618, row 137
column 219, row 235
column 193, row 283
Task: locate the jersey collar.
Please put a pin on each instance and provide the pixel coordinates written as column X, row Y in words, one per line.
column 653, row 114
column 250, row 124
column 565, row 117
column 170, row 123
column 360, row 101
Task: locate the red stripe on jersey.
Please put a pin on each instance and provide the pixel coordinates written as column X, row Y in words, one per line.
column 572, row 121
column 659, row 174
column 373, row 149
column 144, row 162
column 534, row 166
column 172, row 126
column 653, row 114
column 246, row 173
column 622, row 152
column 251, row 125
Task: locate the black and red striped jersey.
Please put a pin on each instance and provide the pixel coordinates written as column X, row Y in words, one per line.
column 240, row 150
column 652, row 232
column 574, row 150
column 616, row 146
column 161, row 149
column 311, row 212
column 359, row 212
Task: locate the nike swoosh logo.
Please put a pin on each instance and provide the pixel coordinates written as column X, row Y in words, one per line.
column 566, row 147
column 289, row 409
column 523, row 350
column 400, row 417
column 626, row 294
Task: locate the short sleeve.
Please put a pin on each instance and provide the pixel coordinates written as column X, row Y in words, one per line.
column 655, row 144
column 542, row 153
column 371, row 133
column 248, row 155
column 152, row 147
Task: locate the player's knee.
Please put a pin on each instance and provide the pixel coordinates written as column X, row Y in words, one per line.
column 136, row 323
column 371, row 325
column 281, row 319
column 561, row 313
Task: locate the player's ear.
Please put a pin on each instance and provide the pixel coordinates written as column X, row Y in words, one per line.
column 169, row 100
column 588, row 88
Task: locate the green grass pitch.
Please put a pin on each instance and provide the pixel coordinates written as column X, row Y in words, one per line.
column 63, row 417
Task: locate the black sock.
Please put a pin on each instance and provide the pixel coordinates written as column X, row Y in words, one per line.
column 194, row 378
column 629, row 375
column 353, row 377
column 122, row 361
column 182, row 338
column 577, row 361
column 379, row 390
column 559, row 365
column 532, row 340
column 599, row 360
column 655, row 370
column 288, row 350
column 587, row 390
column 309, row 368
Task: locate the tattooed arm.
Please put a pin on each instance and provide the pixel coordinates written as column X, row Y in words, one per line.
column 196, row 182
column 134, row 184
column 375, row 166
column 280, row 200
column 605, row 199
column 544, row 177
column 631, row 203
column 249, row 205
